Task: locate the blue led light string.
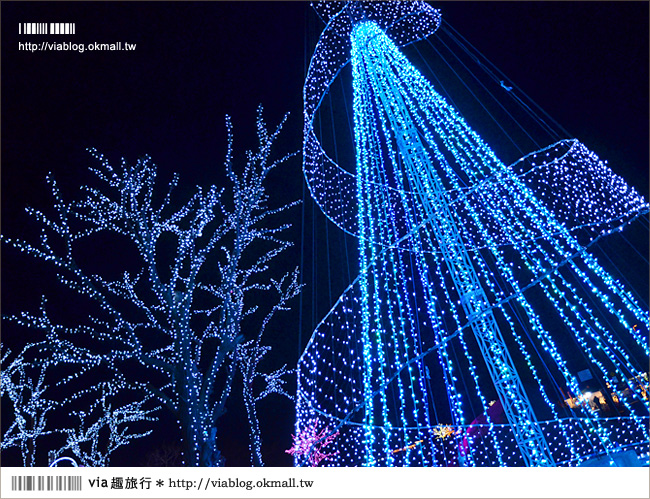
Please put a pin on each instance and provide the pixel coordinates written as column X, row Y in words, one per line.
column 395, row 266
column 457, row 321
column 336, row 157
column 568, row 439
column 629, row 301
column 415, row 338
column 419, row 393
column 436, row 324
column 529, row 229
column 381, row 304
column 485, row 404
column 545, row 258
column 416, row 244
column 460, row 272
column 601, row 432
column 351, row 127
column 567, row 320
column 609, row 327
column 396, row 281
column 472, row 370
column 615, row 287
column 524, row 351
column 547, row 224
column 503, row 301
column 593, row 266
column 447, row 365
column 364, row 263
column 496, row 290
column 618, row 349
column 565, row 296
column 598, row 427
column 438, row 130
column 327, row 250
column 321, row 74
column 416, row 249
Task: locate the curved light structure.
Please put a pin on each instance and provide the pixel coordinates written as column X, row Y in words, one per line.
column 476, row 305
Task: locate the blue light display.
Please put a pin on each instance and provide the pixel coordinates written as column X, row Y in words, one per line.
column 452, row 241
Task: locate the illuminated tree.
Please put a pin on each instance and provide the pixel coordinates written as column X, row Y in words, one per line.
column 252, row 352
column 23, row 383
column 101, row 429
column 309, row 445
column 204, row 266
column 36, row 402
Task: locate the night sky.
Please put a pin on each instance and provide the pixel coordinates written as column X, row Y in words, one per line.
column 584, row 63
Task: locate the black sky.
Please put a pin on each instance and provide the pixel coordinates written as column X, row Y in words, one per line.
column 585, row 63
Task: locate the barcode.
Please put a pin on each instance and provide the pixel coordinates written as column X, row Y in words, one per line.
column 46, row 28
column 45, row 482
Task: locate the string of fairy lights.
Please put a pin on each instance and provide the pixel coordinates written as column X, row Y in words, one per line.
column 451, row 240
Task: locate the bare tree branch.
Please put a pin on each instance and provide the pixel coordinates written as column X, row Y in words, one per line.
column 179, row 319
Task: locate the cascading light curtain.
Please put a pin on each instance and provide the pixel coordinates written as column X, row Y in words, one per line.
column 476, row 305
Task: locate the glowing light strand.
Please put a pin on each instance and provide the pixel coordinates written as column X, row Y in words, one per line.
column 496, row 206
